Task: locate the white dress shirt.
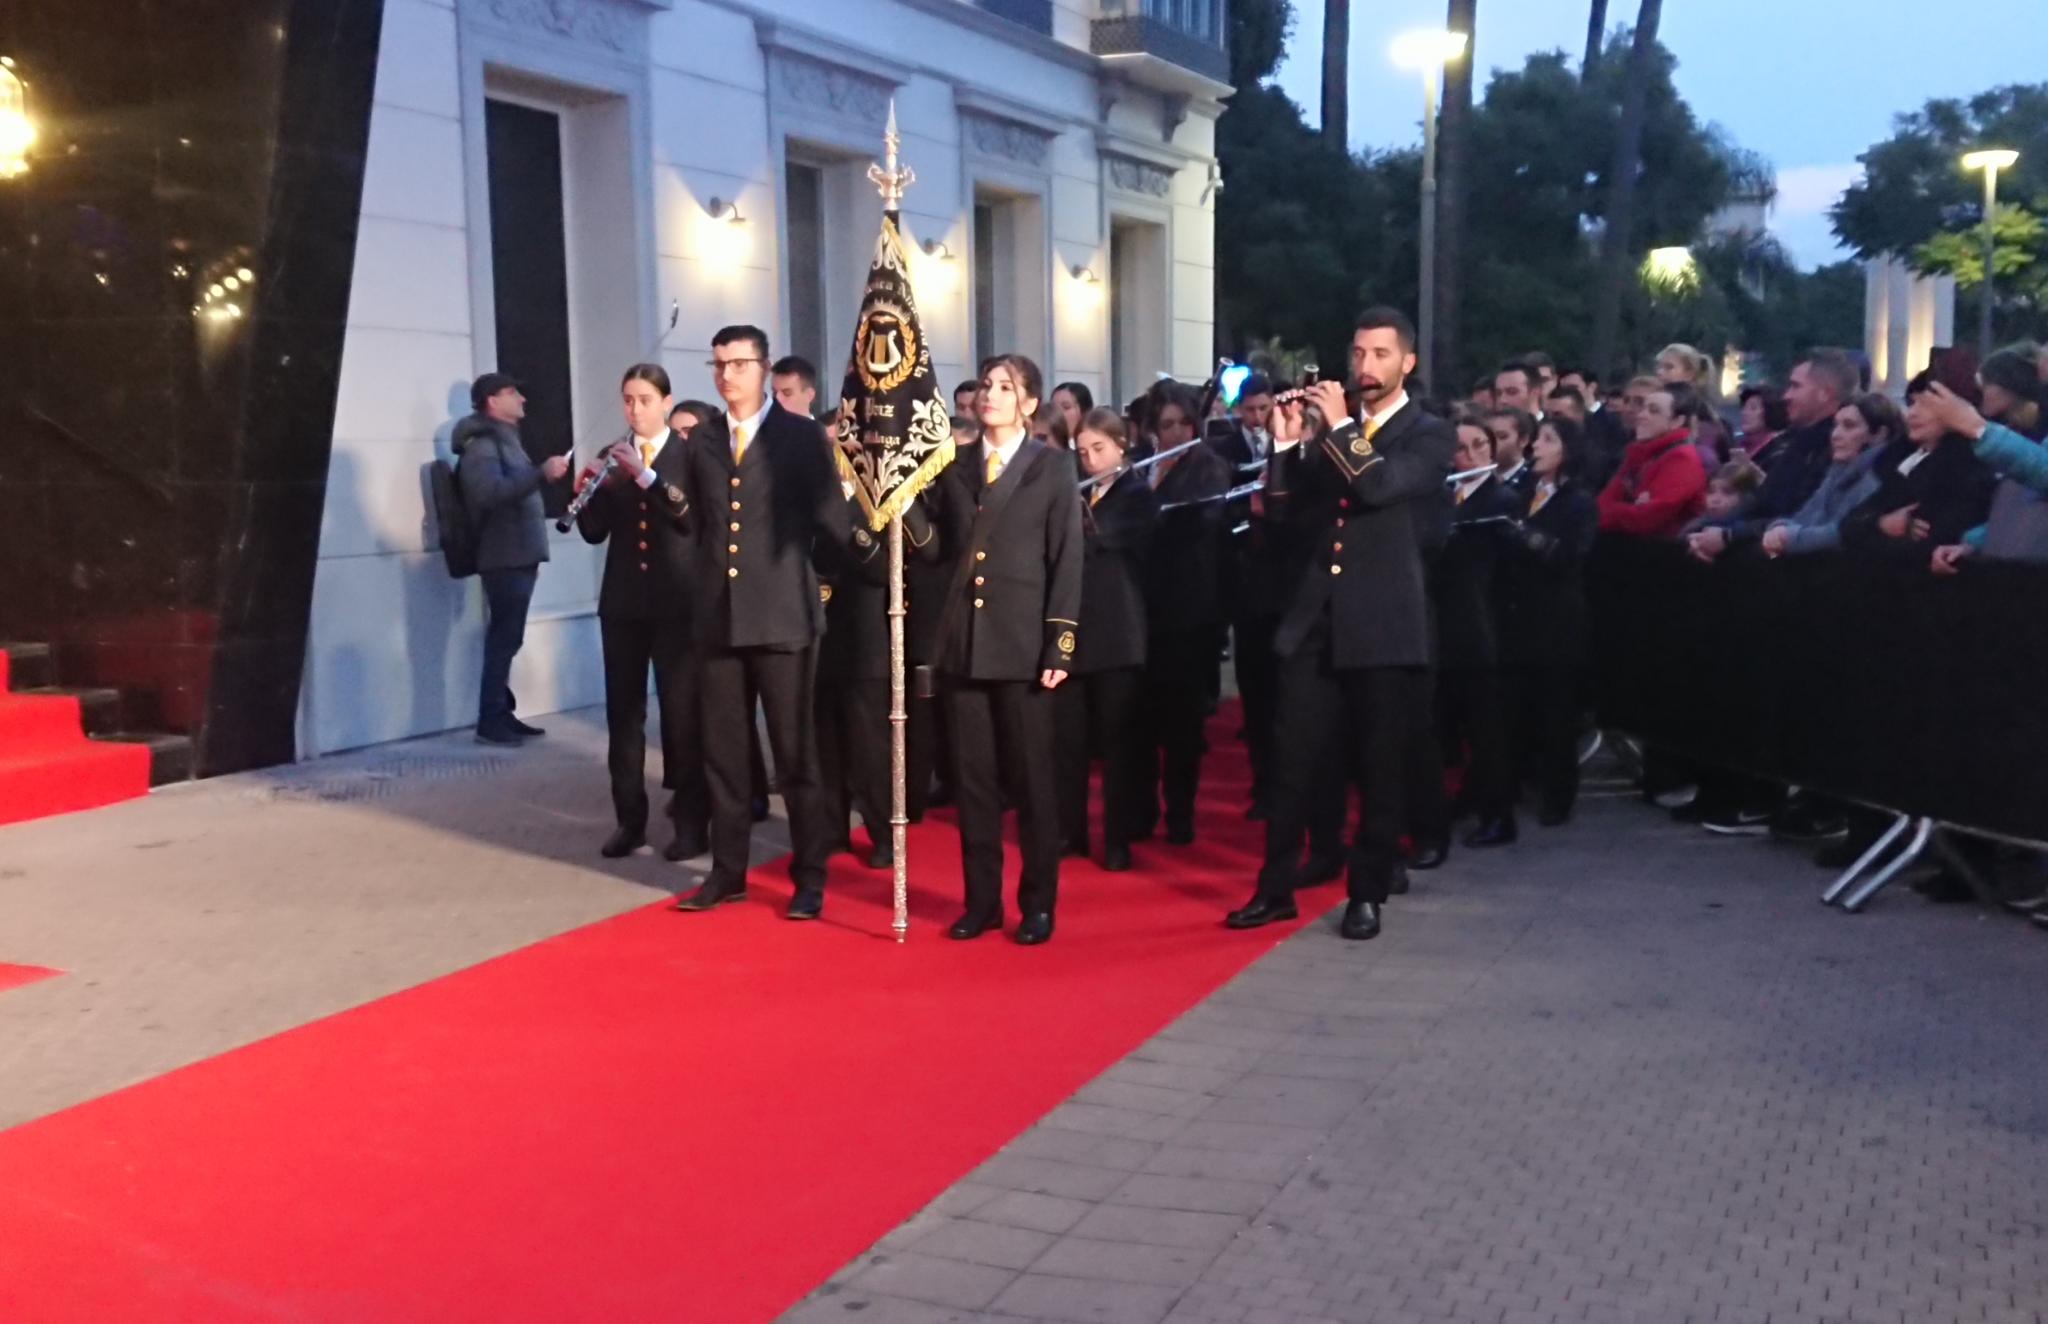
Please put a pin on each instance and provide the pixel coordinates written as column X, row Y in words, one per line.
column 649, row 456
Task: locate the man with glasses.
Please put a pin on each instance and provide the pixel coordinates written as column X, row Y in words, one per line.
column 763, row 488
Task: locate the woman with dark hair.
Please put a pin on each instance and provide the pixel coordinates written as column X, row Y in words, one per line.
column 1764, row 416
column 1865, row 428
column 1098, row 707
column 1071, row 402
column 1006, row 640
column 1545, row 622
column 1929, row 494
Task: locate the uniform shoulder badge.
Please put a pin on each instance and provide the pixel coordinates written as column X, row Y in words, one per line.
column 825, row 593
column 1361, row 446
column 862, row 538
column 1066, row 641
column 673, row 493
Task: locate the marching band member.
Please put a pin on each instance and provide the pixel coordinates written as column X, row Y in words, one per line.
column 1006, row 641
column 1097, row 707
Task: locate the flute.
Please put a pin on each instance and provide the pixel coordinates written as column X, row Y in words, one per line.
column 589, row 490
column 1145, row 463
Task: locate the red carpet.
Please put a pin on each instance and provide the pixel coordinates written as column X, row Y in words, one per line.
column 14, row 976
column 47, row 766
column 659, row 1117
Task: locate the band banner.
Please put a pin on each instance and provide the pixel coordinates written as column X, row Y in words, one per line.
column 893, row 431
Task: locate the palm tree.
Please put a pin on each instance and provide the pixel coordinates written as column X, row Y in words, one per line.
column 1337, row 72
column 1596, row 37
column 1453, row 150
column 1621, row 187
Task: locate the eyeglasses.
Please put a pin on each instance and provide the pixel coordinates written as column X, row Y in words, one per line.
column 722, row 365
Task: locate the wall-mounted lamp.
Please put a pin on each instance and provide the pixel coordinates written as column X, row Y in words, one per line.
column 17, row 130
column 722, row 209
column 936, row 248
column 1086, row 275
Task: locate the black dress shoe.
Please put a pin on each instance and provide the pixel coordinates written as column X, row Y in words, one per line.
column 1429, row 855
column 528, row 730
column 1493, row 832
column 685, row 846
column 808, row 903
column 1033, row 930
column 1116, row 859
column 882, row 855
column 971, row 925
column 707, row 896
column 622, row 843
column 1398, row 884
column 1180, row 834
column 1361, row 921
column 1322, row 869
column 1260, row 911
column 499, row 735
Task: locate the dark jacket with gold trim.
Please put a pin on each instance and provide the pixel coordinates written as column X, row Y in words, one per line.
column 1019, row 605
column 650, row 565
column 1364, row 513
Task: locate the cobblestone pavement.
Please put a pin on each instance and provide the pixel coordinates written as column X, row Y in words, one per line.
column 1623, row 1072
column 210, row 915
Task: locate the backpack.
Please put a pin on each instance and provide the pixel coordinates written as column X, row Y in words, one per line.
column 458, row 534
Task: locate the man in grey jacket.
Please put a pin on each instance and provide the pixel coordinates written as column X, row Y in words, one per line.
column 501, row 488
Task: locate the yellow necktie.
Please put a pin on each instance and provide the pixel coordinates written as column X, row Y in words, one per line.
column 994, row 469
column 1542, row 495
column 1372, row 425
column 647, row 453
column 739, row 443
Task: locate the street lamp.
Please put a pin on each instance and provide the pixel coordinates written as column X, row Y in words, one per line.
column 17, row 130
column 1427, row 51
column 1990, row 161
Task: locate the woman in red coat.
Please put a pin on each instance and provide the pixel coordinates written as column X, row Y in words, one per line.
column 1661, row 485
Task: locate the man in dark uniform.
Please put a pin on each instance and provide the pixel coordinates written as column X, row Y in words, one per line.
column 644, row 618
column 763, row 490
column 1470, row 713
column 1354, row 641
column 1184, row 613
column 1254, row 562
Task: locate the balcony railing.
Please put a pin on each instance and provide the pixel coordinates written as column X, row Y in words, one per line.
column 1187, row 33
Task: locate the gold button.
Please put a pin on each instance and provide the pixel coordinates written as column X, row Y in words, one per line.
column 643, row 546
column 735, row 526
column 981, row 556
column 979, row 581
column 1340, row 524
column 733, row 573
column 643, row 565
column 1335, row 570
column 735, row 505
column 977, row 602
column 735, row 482
column 1336, row 546
column 643, row 525
column 733, row 547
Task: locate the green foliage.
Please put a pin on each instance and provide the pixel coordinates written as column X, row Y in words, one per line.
column 1258, row 38
column 2018, row 239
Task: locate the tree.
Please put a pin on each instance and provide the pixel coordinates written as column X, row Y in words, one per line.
column 1337, row 73
column 1453, row 145
column 1615, row 246
column 1916, row 201
column 1596, row 37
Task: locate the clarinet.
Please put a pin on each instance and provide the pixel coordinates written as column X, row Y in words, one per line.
column 582, row 498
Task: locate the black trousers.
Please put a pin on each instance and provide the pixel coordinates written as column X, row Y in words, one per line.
column 1258, row 672
column 1329, row 722
column 852, row 718
column 1003, row 736
column 1472, row 724
column 631, row 646
column 507, row 594
column 1098, row 716
column 1178, row 668
column 929, row 752
column 1545, row 701
column 783, row 682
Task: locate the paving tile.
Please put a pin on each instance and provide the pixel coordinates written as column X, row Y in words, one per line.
column 1188, row 1229
column 977, row 1242
column 1039, row 1212
column 933, row 1280
column 1088, row 1301
column 1123, row 1261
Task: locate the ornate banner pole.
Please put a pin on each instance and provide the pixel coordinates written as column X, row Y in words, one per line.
column 892, row 178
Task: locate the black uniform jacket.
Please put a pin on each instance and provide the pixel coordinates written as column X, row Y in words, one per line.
column 1365, row 513
column 1543, row 614
column 1463, row 576
column 854, row 588
column 649, row 566
column 756, row 524
column 1018, row 605
column 1116, row 538
column 1185, row 584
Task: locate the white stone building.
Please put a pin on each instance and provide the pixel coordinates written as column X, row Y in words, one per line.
column 559, row 173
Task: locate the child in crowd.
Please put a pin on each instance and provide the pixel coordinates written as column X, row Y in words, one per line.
column 1730, row 493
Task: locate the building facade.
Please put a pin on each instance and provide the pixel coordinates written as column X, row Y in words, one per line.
column 547, row 180
column 250, row 269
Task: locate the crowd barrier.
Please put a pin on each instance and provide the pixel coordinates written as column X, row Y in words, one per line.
column 1888, row 685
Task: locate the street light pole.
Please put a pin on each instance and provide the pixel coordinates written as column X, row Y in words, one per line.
column 1990, row 161
column 1428, row 52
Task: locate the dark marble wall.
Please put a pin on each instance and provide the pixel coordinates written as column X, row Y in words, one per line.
column 174, row 283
